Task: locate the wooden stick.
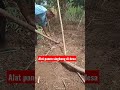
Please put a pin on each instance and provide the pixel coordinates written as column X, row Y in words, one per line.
column 50, row 50
column 61, row 27
column 83, row 80
column 64, row 84
column 46, row 37
column 24, row 24
column 29, row 65
column 78, row 69
column 38, row 81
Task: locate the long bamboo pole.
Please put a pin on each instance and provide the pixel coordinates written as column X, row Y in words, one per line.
column 61, row 23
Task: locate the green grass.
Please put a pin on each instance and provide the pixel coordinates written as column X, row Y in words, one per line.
column 74, row 14
column 40, row 30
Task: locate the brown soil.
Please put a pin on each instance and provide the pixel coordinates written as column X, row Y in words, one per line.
column 16, row 55
column 103, row 44
column 53, row 76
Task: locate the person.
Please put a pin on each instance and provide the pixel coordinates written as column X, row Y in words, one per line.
column 42, row 15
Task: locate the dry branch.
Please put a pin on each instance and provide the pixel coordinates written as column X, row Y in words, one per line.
column 64, row 84
column 24, row 24
column 38, row 81
column 46, row 37
column 78, row 69
column 50, row 50
column 83, row 80
column 29, row 65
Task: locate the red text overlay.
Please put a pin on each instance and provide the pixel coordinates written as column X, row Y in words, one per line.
column 21, row 76
column 92, row 76
column 57, row 58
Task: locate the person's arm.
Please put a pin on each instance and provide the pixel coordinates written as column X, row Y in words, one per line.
column 44, row 22
column 45, row 30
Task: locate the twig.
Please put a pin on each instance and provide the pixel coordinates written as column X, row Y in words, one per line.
column 83, row 81
column 7, row 50
column 89, row 23
column 64, row 84
column 50, row 50
column 29, row 65
column 38, row 81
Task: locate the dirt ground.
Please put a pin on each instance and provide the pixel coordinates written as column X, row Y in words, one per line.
column 53, row 76
column 19, row 52
column 102, row 45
